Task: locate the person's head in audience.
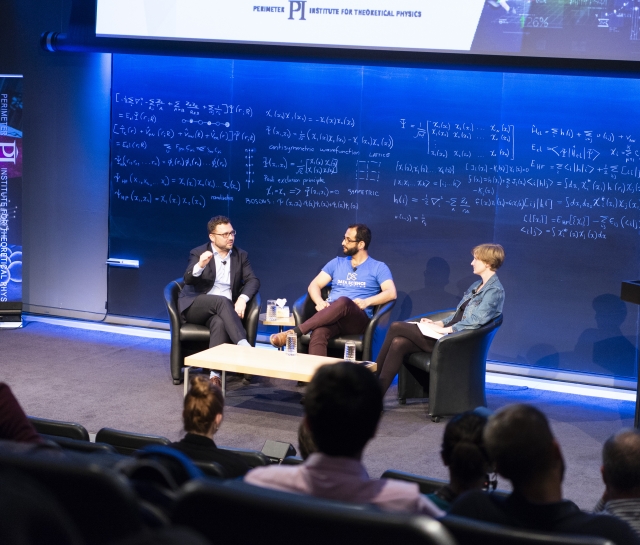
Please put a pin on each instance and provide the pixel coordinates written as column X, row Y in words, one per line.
column 520, row 443
column 343, row 406
column 621, row 465
column 306, row 445
column 203, row 407
column 463, row 452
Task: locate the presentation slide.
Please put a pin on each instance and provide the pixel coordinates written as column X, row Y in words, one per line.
column 589, row 29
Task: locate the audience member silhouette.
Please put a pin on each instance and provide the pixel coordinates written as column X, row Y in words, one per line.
column 342, row 410
column 621, row 476
column 519, row 440
column 14, row 424
column 464, row 454
column 202, row 416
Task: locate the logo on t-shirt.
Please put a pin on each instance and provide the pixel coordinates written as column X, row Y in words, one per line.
column 351, row 281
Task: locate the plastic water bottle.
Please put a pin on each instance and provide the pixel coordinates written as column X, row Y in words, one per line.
column 292, row 343
column 271, row 310
column 350, row 351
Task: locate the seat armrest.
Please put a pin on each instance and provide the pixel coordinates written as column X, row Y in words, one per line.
column 303, row 309
column 436, row 316
column 171, row 292
column 380, row 319
column 251, row 316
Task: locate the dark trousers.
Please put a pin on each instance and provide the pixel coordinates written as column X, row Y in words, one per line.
column 342, row 317
column 219, row 315
column 402, row 339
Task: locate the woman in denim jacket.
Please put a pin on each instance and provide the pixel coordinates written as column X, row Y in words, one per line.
column 480, row 304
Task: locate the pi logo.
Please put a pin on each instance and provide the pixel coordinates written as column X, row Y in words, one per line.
column 8, row 152
column 352, row 276
column 297, row 6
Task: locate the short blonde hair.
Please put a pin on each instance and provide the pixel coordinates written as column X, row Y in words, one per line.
column 491, row 254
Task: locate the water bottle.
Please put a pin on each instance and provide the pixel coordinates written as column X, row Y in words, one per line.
column 292, row 343
column 350, row 351
column 271, row 310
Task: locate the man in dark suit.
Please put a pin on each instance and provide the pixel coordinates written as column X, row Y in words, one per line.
column 219, row 282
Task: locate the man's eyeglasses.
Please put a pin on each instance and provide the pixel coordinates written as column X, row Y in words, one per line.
column 226, row 235
column 349, row 240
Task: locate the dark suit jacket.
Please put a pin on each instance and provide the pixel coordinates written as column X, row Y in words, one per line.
column 203, row 449
column 243, row 280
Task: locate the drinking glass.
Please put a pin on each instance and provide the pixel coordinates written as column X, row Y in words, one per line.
column 292, row 343
column 350, row 351
column 271, row 310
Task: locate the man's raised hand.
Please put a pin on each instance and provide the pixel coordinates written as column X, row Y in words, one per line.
column 205, row 258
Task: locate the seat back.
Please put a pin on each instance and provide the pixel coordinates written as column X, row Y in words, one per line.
column 278, row 516
column 472, row 532
column 59, row 428
column 126, row 442
column 253, row 458
column 427, row 485
column 78, row 445
column 99, row 501
column 211, row 469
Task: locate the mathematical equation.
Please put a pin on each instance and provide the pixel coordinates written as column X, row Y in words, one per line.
column 548, row 180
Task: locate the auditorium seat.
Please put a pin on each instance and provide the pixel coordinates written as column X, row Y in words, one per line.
column 427, row 485
column 280, row 517
column 453, row 375
column 473, row 532
column 304, row 308
column 59, row 428
column 292, row 461
column 100, row 502
column 188, row 339
column 211, row 469
column 80, row 446
column 253, row 458
column 126, row 442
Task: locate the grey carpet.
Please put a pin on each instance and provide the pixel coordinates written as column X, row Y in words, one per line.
column 101, row 379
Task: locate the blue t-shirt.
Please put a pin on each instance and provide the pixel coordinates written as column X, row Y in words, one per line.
column 359, row 284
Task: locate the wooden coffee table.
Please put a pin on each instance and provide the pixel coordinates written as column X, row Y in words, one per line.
column 257, row 361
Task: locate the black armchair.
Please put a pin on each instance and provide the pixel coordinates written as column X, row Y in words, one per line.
column 453, row 375
column 304, row 308
column 188, row 339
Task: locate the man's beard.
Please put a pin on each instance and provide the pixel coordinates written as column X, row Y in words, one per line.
column 349, row 251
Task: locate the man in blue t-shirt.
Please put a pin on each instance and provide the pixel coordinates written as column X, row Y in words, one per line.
column 358, row 282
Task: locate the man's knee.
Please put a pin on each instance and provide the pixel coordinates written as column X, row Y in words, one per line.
column 320, row 335
column 342, row 301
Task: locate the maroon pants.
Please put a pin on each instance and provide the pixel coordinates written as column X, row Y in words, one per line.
column 402, row 339
column 342, row 317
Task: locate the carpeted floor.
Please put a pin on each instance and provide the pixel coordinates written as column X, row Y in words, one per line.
column 101, row 379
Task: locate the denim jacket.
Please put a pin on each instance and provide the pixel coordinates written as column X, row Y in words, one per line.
column 483, row 306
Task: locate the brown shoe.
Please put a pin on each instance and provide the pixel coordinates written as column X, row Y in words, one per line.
column 216, row 380
column 278, row 339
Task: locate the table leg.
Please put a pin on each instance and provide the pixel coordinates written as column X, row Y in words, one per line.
column 224, row 383
column 186, row 380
